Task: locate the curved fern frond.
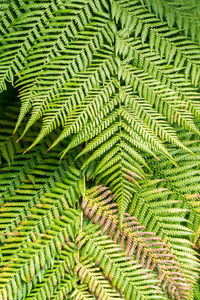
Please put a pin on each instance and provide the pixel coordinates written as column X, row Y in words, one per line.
column 9, row 12
column 54, row 282
column 66, row 287
column 134, row 51
column 88, row 32
column 107, row 122
column 74, row 117
column 92, row 276
column 137, row 241
column 182, row 13
column 8, row 146
column 81, row 293
column 16, row 44
column 55, row 243
column 167, row 42
column 184, row 180
column 164, row 100
column 158, row 210
column 110, row 258
column 32, row 261
column 83, row 46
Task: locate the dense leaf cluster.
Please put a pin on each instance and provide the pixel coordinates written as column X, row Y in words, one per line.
column 112, row 88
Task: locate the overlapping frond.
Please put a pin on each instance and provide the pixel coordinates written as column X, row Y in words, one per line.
column 8, row 145
column 110, row 258
column 9, row 12
column 15, row 44
column 184, row 180
column 36, row 211
column 111, row 137
column 44, row 246
column 89, row 59
column 137, row 53
column 53, row 82
column 56, row 282
column 183, row 13
column 98, row 285
column 42, row 243
column 108, row 88
column 148, row 244
column 115, row 87
column 166, row 41
column 75, row 57
column 162, row 212
column 29, row 265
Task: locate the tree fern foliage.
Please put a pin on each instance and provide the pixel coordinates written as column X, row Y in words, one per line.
column 99, row 169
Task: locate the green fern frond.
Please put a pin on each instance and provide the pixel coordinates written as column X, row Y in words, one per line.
column 16, row 44
column 92, row 276
column 65, row 288
column 75, row 117
column 110, row 259
column 135, row 52
column 113, row 144
column 184, row 180
column 112, row 88
column 81, row 293
column 108, row 77
column 183, row 13
column 8, row 145
column 47, row 222
column 35, row 258
column 83, row 46
column 137, row 241
column 90, row 35
column 165, row 101
column 196, row 292
column 166, row 41
column 9, row 12
column 158, row 210
column 54, row 282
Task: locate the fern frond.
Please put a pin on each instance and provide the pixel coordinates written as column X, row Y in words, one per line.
column 16, row 44
column 196, row 292
column 74, row 117
column 168, row 42
column 134, row 51
column 110, row 138
column 165, row 101
column 184, row 180
column 113, row 85
column 65, row 289
column 81, row 293
column 183, row 13
column 110, row 258
column 9, row 12
column 21, row 200
column 51, row 97
column 32, row 261
column 137, row 241
column 75, row 58
column 91, row 275
column 158, row 210
column 8, row 146
column 53, row 279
